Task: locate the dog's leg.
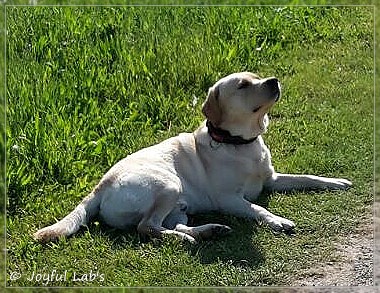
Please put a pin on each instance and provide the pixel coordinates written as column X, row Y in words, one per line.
column 70, row 224
column 152, row 223
column 177, row 220
column 243, row 208
column 159, row 232
column 204, row 231
column 287, row 182
column 152, row 226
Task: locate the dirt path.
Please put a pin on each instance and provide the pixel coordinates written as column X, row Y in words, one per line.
column 356, row 265
column 377, row 245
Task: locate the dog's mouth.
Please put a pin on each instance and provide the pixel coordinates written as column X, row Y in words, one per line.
column 261, row 114
column 263, row 121
column 256, row 109
column 277, row 95
column 267, row 106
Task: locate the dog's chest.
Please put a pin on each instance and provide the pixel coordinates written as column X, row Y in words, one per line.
column 238, row 170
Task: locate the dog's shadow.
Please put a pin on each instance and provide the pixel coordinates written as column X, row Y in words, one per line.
column 241, row 247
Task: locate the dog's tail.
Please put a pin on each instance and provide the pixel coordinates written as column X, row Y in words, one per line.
column 88, row 208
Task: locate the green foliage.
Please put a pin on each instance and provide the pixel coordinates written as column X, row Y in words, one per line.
column 88, row 85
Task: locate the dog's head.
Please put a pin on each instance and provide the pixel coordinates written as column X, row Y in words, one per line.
column 239, row 103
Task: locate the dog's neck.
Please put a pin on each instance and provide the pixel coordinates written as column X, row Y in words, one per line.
column 224, row 136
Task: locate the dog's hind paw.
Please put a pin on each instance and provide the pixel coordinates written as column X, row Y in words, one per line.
column 218, row 230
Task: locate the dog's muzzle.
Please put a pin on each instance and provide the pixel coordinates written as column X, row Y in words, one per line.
column 273, row 85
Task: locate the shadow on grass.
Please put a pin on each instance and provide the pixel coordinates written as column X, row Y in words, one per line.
column 241, row 248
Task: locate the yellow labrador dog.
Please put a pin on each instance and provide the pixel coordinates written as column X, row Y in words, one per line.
column 223, row 166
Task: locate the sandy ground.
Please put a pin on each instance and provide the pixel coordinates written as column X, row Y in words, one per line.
column 377, row 245
column 359, row 267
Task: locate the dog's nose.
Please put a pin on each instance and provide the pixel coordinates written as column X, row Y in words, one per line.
column 273, row 85
column 272, row 82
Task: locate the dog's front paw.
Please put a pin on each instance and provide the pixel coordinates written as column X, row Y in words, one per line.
column 338, row 184
column 279, row 224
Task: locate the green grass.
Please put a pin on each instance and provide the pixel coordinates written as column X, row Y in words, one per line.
column 86, row 86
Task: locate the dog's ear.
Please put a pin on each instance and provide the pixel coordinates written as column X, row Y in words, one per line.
column 211, row 107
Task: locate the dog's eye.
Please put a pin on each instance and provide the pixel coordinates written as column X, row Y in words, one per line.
column 243, row 84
